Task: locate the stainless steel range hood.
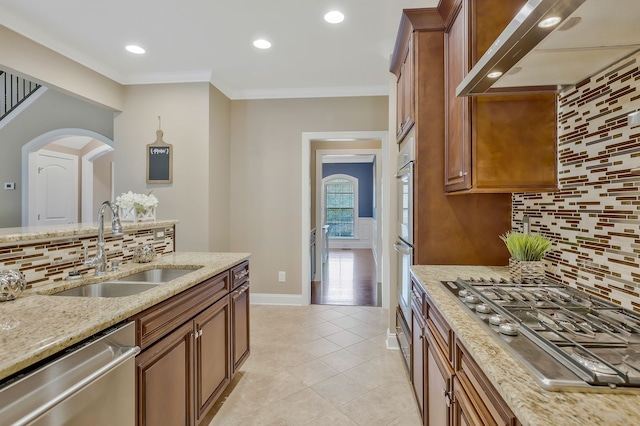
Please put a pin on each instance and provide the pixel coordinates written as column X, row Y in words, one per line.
column 592, row 34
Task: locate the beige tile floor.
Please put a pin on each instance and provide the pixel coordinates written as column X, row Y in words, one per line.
column 318, row 365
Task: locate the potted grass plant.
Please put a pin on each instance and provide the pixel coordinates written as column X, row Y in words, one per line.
column 526, row 252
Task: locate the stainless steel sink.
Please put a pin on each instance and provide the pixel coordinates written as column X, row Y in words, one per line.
column 108, row 289
column 128, row 285
column 158, row 275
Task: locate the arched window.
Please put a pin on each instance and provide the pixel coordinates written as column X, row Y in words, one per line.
column 341, row 205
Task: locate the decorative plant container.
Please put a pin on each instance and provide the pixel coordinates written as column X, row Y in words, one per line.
column 133, row 214
column 137, row 207
column 526, row 252
column 12, row 283
column 522, row 270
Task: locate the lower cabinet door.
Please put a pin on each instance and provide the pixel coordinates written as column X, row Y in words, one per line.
column 465, row 413
column 240, row 325
column 417, row 358
column 212, row 366
column 164, row 380
column 439, row 374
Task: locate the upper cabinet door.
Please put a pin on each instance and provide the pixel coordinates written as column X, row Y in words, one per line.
column 494, row 144
column 405, row 93
column 457, row 139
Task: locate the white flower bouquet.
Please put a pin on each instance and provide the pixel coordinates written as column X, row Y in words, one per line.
column 137, row 207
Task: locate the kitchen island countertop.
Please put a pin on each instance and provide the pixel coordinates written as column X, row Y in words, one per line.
column 529, row 402
column 37, row 325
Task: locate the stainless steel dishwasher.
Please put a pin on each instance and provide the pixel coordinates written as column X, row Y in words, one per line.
column 92, row 383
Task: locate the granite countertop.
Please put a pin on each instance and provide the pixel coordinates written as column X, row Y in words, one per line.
column 37, row 325
column 529, row 402
column 29, row 233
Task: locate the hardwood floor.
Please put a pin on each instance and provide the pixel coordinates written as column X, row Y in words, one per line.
column 349, row 278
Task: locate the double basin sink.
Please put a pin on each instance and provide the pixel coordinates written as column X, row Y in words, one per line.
column 128, row 285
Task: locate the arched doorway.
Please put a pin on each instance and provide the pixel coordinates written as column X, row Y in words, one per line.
column 61, row 171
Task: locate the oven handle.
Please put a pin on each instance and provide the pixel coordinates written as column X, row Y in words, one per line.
column 407, row 170
column 402, row 248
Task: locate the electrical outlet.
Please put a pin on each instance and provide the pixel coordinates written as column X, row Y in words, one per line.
column 282, row 276
column 9, row 185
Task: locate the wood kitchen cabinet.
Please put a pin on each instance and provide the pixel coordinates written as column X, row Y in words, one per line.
column 419, row 323
column 476, row 402
column 449, row 387
column 446, row 230
column 494, row 143
column 240, row 315
column 439, row 382
column 405, row 93
column 187, row 342
column 164, row 378
column 212, row 355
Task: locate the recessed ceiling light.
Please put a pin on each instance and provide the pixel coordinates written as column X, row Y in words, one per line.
column 334, row 17
column 262, row 44
column 550, row 22
column 135, row 49
column 570, row 23
column 494, row 74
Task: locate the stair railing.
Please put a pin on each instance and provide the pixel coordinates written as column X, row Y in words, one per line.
column 13, row 91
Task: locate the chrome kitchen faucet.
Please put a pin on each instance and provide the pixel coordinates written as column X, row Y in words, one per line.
column 99, row 261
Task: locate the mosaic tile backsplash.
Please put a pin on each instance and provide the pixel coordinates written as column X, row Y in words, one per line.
column 594, row 218
column 49, row 260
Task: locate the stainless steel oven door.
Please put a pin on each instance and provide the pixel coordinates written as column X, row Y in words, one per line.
column 405, row 256
column 404, row 179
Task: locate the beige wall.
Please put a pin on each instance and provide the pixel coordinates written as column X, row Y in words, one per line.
column 219, row 170
column 42, row 65
column 184, row 109
column 101, row 182
column 266, row 176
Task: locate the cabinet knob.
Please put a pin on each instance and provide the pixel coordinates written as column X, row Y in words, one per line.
column 460, row 173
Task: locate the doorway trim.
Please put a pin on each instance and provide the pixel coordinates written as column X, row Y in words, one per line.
column 87, row 181
column 385, row 205
column 40, row 141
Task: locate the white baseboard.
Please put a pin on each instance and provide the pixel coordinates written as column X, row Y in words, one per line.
column 276, row 299
column 392, row 341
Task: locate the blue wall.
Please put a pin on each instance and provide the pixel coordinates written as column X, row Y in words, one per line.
column 364, row 173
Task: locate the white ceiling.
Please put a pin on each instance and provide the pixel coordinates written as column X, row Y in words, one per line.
column 73, row 142
column 211, row 40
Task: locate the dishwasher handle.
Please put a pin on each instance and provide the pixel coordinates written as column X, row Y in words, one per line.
column 127, row 353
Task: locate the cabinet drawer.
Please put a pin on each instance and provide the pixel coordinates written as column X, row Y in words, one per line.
column 488, row 403
column 418, row 296
column 442, row 333
column 155, row 322
column 239, row 275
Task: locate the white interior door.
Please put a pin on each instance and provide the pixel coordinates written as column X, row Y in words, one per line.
column 55, row 187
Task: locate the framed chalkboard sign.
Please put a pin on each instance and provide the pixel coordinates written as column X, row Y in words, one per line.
column 159, row 161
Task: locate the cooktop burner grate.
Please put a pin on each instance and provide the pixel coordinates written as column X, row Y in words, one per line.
column 570, row 340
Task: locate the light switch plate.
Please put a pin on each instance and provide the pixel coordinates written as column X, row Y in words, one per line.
column 9, row 185
column 634, row 119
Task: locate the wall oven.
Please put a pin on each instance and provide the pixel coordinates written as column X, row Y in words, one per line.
column 404, row 240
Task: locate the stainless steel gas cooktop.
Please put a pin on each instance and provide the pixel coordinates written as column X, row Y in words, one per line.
column 568, row 339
